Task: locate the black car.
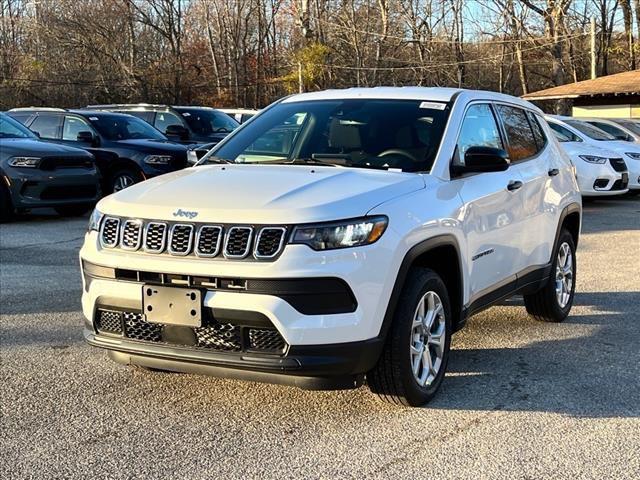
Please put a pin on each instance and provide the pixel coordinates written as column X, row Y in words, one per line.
column 183, row 124
column 39, row 174
column 127, row 150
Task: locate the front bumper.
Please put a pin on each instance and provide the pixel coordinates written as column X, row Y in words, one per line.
column 600, row 180
column 34, row 188
column 634, row 173
column 312, row 367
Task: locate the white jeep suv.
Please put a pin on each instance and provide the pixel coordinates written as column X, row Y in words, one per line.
column 337, row 235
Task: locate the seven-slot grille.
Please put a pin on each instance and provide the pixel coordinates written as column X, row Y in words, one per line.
column 618, row 164
column 234, row 242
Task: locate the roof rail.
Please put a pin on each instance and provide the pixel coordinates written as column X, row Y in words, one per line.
column 44, row 109
column 118, row 105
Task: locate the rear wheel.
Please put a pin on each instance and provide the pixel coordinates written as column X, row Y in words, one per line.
column 553, row 302
column 414, row 359
column 123, row 179
column 73, row 210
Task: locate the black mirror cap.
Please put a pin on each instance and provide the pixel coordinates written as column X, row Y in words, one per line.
column 86, row 137
column 481, row 159
column 177, row 131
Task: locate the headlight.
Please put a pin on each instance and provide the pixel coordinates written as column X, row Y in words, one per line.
column 30, row 162
column 634, row 155
column 158, row 159
column 347, row 233
column 593, row 159
column 95, row 219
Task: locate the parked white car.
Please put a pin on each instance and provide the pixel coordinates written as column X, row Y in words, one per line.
column 240, row 115
column 338, row 235
column 600, row 172
column 592, row 136
column 621, row 129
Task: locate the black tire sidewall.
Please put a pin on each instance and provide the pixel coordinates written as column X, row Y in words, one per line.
column 420, row 282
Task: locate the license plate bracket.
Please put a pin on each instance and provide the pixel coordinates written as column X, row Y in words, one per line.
column 172, row 306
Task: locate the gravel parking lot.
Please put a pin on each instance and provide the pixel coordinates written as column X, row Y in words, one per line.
column 523, row 399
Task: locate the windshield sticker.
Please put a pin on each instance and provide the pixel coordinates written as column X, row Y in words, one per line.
column 186, row 114
column 433, row 105
column 93, row 119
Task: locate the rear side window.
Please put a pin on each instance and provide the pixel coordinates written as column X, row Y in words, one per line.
column 479, row 129
column 21, row 117
column 47, row 125
column 538, row 132
column 522, row 143
column 73, row 126
column 142, row 115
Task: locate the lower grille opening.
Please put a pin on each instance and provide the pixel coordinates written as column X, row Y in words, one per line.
column 221, row 337
column 68, row 192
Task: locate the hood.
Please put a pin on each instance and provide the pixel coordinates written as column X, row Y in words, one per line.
column 32, row 147
column 621, row 147
column 583, row 148
column 153, row 146
column 262, row 194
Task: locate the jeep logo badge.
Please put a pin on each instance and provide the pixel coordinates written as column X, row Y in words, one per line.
column 184, row 213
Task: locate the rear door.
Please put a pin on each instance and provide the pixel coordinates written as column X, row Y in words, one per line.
column 534, row 162
column 491, row 210
column 47, row 125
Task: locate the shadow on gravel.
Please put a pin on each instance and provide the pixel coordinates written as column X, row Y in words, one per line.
column 589, row 376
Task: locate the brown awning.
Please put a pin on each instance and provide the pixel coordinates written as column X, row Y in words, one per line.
column 619, row 83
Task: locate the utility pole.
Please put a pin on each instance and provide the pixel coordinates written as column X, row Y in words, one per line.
column 306, row 35
column 593, row 48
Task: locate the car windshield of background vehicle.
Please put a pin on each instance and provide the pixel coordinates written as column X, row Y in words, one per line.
column 124, row 127
column 630, row 125
column 10, row 128
column 590, row 131
column 206, row 122
column 381, row 134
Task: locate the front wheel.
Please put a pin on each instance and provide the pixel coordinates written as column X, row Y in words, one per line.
column 123, row 179
column 414, row 359
column 553, row 302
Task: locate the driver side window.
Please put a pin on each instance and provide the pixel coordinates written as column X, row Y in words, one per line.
column 164, row 119
column 479, row 129
column 73, row 126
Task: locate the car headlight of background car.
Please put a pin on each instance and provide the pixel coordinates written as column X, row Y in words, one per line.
column 29, row 162
column 593, row 159
column 343, row 234
column 633, row 155
column 158, row 159
column 95, row 219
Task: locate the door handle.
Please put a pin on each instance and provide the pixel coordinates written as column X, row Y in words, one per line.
column 553, row 172
column 514, row 185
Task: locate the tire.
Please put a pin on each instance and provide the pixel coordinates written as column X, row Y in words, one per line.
column 73, row 210
column 122, row 179
column 393, row 378
column 7, row 212
column 549, row 304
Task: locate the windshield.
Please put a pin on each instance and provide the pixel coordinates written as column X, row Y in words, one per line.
column 385, row 134
column 206, row 122
column 9, row 128
column 124, row 127
column 590, row 131
column 630, row 125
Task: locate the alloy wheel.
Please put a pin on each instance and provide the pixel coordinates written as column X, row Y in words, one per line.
column 564, row 275
column 121, row 182
column 427, row 341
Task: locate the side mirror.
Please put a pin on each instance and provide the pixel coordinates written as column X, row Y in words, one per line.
column 177, row 131
column 481, row 159
column 86, row 137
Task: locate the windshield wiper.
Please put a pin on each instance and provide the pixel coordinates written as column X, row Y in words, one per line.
column 214, row 159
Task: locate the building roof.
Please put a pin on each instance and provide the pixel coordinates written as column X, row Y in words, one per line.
column 619, row 83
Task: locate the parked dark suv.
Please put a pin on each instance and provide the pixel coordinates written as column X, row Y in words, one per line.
column 38, row 174
column 127, row 150
column 182, row 124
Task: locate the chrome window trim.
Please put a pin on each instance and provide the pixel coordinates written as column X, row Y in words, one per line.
column 163, row 244
column 218, row 243
column 256, row 255
column 170, row 238
column 102, row 225
column 123, row 227
column 226, row 242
